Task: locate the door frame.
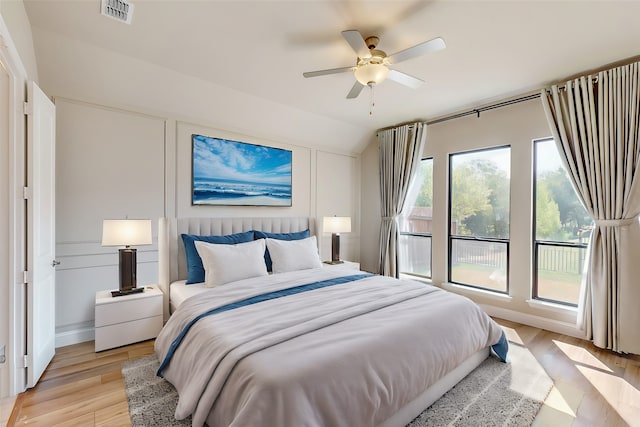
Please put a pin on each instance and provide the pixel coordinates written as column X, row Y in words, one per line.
column 16, row 347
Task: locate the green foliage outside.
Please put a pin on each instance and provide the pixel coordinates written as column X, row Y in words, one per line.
column 425, row 177
column 559, row 214
column 548, row 224
column 480, row 202
column 480, row 199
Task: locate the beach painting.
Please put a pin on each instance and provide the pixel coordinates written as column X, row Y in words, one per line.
column 236, row 173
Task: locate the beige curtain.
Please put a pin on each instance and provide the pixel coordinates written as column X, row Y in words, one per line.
column 596, row 126
column 400, row 151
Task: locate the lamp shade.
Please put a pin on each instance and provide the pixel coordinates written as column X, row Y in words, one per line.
column 336, row 224
column 371, row 73
column 126, row 232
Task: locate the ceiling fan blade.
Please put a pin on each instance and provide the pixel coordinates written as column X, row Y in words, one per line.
column 404, row 79
column 355, row 90
column 356, row 41
column 430, row 46
column 326, row 72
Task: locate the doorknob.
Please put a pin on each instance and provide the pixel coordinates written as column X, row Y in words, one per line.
column 54, row 263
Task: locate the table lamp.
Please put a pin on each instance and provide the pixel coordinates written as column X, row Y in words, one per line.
column 126, row 232
column 336, row 225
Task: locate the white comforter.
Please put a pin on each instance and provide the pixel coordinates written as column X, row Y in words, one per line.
column 345, row 355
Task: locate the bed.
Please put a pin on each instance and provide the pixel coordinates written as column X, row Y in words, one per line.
column 310, row 347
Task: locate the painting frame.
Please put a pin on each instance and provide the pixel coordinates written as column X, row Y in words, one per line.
column 226, row 172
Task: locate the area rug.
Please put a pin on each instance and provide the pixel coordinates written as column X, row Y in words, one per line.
column 494, row 394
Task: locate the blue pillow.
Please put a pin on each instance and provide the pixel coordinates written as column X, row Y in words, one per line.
column 195, row 269
column 298, row 235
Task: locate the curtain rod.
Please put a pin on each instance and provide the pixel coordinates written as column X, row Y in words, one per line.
column 411, row 124
column 475, row 111
column 479, row 110
column 593, row 75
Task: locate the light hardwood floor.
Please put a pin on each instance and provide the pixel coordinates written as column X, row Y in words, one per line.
column 80, row 388
column 592, row 387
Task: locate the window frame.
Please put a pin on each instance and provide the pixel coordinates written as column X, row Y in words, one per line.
column 451, row 237
column 422, row 235
column 537, row 243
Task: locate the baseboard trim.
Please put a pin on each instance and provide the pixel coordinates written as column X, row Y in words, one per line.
column 552, row 325
column 75, row 334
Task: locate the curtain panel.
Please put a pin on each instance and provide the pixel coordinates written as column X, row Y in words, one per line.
column 596, row 126
column 400, row 151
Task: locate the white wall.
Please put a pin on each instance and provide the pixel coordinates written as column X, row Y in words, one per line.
column 119, row 118
column 78, row 70
column 338, row 194
column 370, row 203
column 16, row 19
column 112, row 163
column 517, row 126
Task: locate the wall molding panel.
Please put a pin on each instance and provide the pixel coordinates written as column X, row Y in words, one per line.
column 113, row 163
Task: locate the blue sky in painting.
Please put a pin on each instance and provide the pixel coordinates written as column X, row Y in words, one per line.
column 215, row 158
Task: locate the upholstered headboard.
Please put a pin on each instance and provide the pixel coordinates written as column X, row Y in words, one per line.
column 171, row 256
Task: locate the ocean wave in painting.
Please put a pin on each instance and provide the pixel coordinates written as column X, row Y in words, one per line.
column 229, row 172
column 208, row 191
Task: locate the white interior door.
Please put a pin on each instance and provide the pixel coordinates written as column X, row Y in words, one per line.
column 41, row 131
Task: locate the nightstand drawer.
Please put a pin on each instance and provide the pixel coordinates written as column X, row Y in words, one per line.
column 127, row 333
column 127, row 319
column 128, row 308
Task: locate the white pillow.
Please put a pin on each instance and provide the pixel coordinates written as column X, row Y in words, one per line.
column 228, row 263
column 292, row 255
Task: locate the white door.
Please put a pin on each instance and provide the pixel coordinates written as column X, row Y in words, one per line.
column 41, row 131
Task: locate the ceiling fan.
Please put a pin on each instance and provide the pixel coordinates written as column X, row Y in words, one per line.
column 372, row 65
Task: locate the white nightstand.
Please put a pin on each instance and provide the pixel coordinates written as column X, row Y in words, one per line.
column 127, row 319
column 345, row 264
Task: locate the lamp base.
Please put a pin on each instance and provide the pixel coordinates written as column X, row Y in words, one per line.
column 127, row 292
column 335, row 248
column 334, row 262
column 127, row 269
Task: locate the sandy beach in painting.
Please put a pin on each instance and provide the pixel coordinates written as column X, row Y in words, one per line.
column 227, row 192
column 248, row 201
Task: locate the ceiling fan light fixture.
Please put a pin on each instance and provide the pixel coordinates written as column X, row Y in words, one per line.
column 371, row 73
column 372, row 65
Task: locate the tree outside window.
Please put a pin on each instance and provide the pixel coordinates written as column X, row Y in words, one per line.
column 479, row 213
column 561, row 231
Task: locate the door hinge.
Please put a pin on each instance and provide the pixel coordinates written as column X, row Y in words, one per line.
column 25, row 362
column 26, row 193
column 25, row 277
column 27, row 108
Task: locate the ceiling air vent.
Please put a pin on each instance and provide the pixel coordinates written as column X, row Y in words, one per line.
column 120, row 10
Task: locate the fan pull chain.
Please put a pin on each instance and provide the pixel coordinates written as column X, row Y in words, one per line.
column 373, row 99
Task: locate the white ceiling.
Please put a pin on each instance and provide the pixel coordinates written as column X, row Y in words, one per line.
column 495, row 49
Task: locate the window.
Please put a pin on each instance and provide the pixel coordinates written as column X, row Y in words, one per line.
column 479, row 183
column 415, row 224
column 562, row 229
